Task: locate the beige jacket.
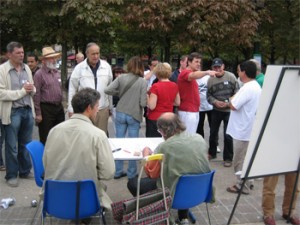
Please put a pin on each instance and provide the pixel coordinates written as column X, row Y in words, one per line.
column 7, row 96
column 78, row 150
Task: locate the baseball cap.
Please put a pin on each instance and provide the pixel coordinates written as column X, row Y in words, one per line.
column 217, row 62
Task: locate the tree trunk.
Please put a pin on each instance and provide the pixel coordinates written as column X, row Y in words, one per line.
column 64, row 71
column 167, row 49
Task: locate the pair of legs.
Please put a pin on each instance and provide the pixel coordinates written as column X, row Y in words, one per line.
column 216, row 118
column 200, row 128
column 151, row 129
column 268, row 200
column 19, row 131
column 190, row 120
column 126, row 124
column 240, row 150
column 52, row 115
column 148, row 184
column 1, row 143
column 101, row 120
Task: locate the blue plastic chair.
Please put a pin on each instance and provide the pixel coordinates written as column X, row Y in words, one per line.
column 71, row 200
column 36, row 151
column 192, row 190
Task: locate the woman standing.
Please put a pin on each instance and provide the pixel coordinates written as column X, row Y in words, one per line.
column 163, row 95
column 132, row 91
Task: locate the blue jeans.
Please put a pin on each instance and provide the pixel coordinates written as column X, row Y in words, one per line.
column 1, row 143
column 126, row 123
column 18, row 131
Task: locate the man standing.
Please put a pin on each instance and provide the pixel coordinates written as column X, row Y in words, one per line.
column 184, row 153
column 77, row 150
column 188, row 110
column 93, row 73
column 48, row 98
column 17, row 113
column 183, row 64
column 219, row 90
column 243, row 107
column 32, row 62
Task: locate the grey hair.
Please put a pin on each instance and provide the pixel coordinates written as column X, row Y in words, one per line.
column 12, row 45
column 170, row 125
column 90, row 45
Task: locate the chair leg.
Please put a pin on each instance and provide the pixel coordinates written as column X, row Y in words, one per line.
column 208, row 214
column 102, row 213
column 35, row 213
column 192, row 217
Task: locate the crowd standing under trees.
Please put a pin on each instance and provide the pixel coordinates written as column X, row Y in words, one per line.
column 233, row 30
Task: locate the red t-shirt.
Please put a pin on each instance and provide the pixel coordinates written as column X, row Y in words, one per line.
column 166, row 93
column 188, row 91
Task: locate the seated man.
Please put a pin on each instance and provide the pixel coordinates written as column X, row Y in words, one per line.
column 184, row 153
column 78, row 150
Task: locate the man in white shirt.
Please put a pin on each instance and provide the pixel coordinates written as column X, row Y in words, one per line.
column 243, row 107
column 93, row 73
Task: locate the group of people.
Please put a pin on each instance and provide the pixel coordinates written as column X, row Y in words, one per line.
column 33, row 95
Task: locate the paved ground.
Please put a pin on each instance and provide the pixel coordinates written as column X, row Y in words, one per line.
column 247, row 212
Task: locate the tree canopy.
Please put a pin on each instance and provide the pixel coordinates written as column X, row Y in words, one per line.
column 230, row 29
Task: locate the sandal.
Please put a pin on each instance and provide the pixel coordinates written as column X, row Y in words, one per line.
column 234, row 189
column 2, row 168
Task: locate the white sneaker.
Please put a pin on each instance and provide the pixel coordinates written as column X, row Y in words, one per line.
column 218, row 149
column 184, row 222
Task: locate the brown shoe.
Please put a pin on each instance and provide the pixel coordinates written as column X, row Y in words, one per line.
column 269, row 220
column 293, row 219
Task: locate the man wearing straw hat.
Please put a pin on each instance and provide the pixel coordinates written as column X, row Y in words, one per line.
column 48, row 99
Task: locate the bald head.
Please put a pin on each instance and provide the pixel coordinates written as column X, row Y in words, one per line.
column 169, row 124
column 79, row 57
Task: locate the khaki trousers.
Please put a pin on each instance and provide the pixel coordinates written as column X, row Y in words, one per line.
column 239, row 153
column 101, row 120
column 268, row 200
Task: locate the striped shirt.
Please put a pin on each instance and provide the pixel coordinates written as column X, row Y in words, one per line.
column 48, row 88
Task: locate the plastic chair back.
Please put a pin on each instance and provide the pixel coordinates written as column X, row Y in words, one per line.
column 70, row 199
column 192, row 190
column 36, row 151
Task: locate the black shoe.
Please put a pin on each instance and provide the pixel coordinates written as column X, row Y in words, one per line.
column 122, row 175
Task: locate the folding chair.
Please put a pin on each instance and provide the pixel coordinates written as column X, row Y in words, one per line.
column 71, row 200
column 192, row 190
column 36, row 151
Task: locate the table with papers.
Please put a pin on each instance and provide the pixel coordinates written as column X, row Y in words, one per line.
column 129, row 148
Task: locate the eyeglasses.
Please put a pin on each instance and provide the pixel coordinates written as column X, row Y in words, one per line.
column 159, row 131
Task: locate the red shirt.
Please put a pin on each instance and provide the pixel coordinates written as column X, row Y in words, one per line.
column 166, row 93
column 188, row 91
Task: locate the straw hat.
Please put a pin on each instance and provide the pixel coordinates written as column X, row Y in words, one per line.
column 48, row 52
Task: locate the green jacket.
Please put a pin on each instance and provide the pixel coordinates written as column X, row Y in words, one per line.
column 184, row 154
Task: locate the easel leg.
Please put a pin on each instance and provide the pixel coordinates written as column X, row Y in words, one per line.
column 294, row 191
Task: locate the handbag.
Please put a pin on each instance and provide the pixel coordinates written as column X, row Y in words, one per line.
column 151, row 210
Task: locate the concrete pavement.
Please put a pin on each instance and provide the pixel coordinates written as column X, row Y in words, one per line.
column 248, row 210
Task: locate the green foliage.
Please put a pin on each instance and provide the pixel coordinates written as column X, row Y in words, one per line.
column 163, row 27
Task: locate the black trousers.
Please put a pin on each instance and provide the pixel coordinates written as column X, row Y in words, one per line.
column 216, row 118
column 52, row 115
column 148, row 184
column 200, row 128
column 151, row 129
